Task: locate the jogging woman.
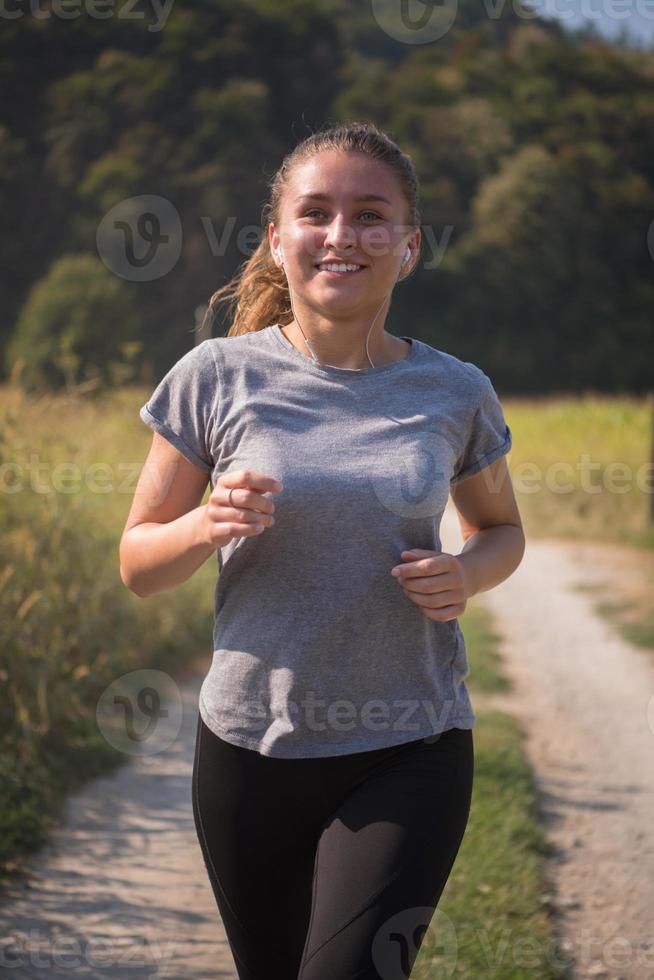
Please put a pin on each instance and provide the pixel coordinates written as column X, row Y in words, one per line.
column 334, row 755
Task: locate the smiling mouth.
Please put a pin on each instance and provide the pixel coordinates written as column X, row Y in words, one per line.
column 340, row 270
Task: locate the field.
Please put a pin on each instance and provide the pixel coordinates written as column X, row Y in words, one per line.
column 580, row 467
column 69, row 627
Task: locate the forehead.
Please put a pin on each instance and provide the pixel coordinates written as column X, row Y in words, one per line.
column 342, row 175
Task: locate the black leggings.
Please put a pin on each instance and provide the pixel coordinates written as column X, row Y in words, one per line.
column 330, row 868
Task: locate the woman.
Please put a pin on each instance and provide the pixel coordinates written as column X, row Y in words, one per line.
column 334, row 756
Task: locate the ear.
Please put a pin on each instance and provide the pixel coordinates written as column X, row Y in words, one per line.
column 274, row 240
column 415, row 241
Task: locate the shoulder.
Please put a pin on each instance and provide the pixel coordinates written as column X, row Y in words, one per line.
column 463, row 375
column 196, row 357
column 196, row 370
column 208, row 359
column 232, row 349
column 219, row 345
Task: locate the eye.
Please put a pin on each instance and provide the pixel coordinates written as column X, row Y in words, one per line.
column 308, row 214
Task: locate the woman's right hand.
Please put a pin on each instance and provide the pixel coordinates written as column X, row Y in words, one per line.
column 248, row 514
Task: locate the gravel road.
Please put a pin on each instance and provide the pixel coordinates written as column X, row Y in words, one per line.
column 585, row 699
column 120, row 890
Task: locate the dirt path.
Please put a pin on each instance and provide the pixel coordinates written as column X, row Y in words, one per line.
column 586, row 701
column 121, row 890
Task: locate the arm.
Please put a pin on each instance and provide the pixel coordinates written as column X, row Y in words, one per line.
column 165, row 537
column 494, row 540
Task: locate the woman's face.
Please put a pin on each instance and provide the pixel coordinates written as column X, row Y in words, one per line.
column 343, row 207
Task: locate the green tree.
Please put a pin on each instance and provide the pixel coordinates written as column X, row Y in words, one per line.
column 77, row 325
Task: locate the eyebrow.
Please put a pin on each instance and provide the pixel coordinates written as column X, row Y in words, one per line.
column 326, row 197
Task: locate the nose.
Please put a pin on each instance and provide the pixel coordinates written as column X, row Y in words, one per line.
column 340, row 235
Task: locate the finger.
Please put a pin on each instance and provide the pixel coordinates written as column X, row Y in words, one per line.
column 221, row 512
column 252, row 480
column 427, row 584
column 444, row 615
column 247, row 515
column 244, row 500
column 434, row 600
column 419, row 569
column 245, row 489
column 254, row 508
column 426, row 562
column 441, row 582
column 235, row 530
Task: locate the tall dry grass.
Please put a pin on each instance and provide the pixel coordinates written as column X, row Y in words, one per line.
column 68, row 626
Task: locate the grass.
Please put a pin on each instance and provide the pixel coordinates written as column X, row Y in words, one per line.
column 68, row 625
column 493, row 920
column 633, row 621
column 580, row 467
column 583, row 469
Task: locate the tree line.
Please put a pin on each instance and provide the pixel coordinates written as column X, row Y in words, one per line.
column 533, row 145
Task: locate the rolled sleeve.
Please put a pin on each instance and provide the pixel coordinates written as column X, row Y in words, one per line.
column 181, row 408
column 490, row 437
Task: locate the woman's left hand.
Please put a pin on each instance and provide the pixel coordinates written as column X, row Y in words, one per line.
column 436, row 581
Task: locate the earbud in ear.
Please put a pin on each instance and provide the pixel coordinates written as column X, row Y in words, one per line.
column 407, row 255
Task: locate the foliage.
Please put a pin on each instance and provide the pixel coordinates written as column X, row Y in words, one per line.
column 77, row 325
column 533, row 146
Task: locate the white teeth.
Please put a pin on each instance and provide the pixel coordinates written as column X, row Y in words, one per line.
column 340, row 268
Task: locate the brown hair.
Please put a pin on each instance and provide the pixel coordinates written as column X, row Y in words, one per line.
column 259, row 291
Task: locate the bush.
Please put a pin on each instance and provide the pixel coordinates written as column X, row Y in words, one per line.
column 77, row 326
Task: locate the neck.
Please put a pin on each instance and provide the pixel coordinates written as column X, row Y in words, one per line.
column 347, row 350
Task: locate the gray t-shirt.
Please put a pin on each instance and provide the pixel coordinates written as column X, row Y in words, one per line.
column 317, row 651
